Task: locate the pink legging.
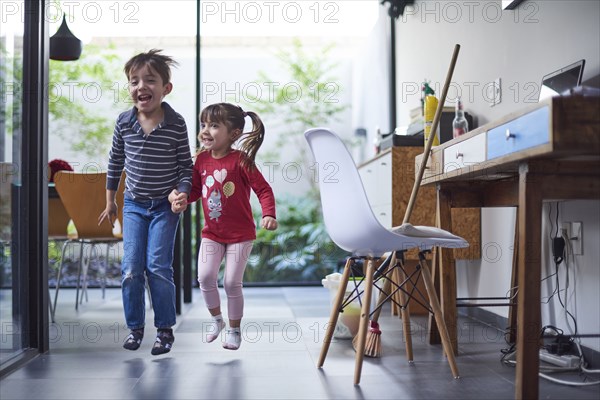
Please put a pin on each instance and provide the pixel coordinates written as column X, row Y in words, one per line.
column 209, row 260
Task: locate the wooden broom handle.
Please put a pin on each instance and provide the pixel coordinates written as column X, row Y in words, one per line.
column 436, row 121
column 386, row 288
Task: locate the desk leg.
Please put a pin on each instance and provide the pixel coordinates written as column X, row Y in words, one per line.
column 529, row 275
column 514, row 284
column 447, row 271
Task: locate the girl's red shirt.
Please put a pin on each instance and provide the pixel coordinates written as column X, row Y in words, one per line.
column 224, row 187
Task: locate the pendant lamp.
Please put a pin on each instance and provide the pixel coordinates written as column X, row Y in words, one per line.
column 64, row 46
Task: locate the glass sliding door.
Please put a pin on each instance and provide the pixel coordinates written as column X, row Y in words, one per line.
column 11, row 73
column 23, row 183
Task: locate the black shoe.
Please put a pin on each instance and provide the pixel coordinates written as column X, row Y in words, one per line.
column 134, row 340
column 163, row 343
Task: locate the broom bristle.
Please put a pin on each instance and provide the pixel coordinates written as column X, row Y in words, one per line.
column 372, row 342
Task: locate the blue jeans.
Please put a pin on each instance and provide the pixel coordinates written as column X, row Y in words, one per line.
column 149, row 229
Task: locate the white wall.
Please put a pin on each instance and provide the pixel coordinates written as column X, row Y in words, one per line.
column 519, row 46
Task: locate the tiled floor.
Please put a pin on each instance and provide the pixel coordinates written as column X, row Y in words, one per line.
column 283, row 331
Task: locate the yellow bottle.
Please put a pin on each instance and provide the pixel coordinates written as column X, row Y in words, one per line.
column 431, row 103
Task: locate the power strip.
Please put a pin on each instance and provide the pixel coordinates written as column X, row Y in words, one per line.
column 565, row 361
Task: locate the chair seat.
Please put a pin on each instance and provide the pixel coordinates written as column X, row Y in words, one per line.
column 378, row 240
column 431, row 232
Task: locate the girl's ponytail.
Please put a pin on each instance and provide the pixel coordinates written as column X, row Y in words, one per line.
column 251, row 141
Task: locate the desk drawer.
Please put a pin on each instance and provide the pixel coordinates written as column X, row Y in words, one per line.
column 377, row 179
column 530, row 130
column 465, row 153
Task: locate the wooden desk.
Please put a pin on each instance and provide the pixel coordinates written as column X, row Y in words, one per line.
column 548, row 151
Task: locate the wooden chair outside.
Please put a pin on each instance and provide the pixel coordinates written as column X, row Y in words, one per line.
column 58, row 222
column 84, row 197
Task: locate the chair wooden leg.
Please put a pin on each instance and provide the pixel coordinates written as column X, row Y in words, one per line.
column 335, row 312
column 364, row 320
column 439, row 318
column 405, row 314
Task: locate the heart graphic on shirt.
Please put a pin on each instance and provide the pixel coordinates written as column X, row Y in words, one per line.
column 220, row 175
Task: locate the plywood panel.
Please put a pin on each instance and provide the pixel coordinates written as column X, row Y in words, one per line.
column 465, row 222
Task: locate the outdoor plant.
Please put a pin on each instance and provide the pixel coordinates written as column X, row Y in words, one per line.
column 300, row 250
column 80, row 96
column 309, row 98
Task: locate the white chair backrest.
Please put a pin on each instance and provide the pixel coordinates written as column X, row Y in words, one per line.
column 346, row 210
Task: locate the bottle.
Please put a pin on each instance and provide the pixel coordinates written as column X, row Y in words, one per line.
column 431, row 103
column 377, row 141
column 460, row 125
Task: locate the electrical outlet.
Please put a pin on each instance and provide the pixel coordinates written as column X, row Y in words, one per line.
column 576, row 236
column 497, row 91
column 493, row 92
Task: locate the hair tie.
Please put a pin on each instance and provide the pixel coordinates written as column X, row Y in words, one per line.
column 244, row 113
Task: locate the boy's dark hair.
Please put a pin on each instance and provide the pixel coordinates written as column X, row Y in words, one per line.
column 159, row 62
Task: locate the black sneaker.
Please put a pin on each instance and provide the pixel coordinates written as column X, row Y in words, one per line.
column 134, row 339
column 163, row 343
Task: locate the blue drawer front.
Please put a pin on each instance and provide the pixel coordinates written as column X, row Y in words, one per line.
column 529, row 130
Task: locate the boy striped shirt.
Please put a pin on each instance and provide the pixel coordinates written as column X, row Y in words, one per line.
column 155, row 163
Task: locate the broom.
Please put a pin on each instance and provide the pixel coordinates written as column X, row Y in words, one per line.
column 373, row 340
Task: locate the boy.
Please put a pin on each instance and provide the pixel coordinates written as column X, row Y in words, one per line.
column 150, row 142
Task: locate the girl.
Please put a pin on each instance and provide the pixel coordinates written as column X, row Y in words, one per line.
column 222, row 177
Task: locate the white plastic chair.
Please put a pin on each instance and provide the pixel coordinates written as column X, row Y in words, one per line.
column 351, row 224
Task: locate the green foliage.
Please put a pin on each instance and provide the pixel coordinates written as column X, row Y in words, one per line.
column 300, row 250
column 309, row 97
column 11, row 89
column 80, row 92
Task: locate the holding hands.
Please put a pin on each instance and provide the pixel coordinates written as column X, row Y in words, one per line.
column 178, row 201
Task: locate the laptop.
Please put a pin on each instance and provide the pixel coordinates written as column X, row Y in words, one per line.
column 562, row 80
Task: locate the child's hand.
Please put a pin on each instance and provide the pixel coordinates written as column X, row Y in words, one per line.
column 178, row 207
column 178, row 201
column 109, row 214
column 269, row 223
column 173, row 195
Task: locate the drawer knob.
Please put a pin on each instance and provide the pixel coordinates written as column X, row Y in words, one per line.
column 459, row 155
column 509, row 135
